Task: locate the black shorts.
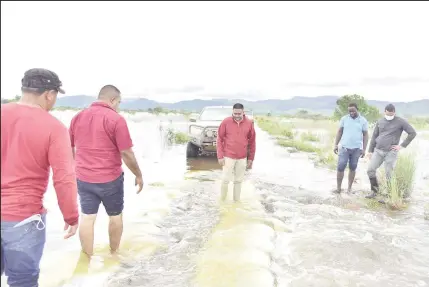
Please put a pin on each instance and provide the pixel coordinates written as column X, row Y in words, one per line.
column 111, row 194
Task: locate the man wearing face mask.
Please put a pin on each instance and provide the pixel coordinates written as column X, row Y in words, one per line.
column 235, row 134
column 102, row 140
column 353, row 134
column 384, row 146
column 33, row 142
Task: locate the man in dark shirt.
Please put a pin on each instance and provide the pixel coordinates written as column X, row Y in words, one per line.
column 384, row 146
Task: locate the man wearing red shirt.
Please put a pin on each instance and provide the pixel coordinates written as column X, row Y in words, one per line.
column 32, row 142
column 235, row 135
column 101, row 138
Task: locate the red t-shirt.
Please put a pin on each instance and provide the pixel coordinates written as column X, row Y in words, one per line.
column 234, row 138
column 32, row 142
column 99, row 134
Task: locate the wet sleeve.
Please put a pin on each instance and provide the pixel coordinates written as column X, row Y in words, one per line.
column 252, row 143
column 122, row 135
column 410, row 131
column 220, row 140
column 61, row 161
column 373, row 138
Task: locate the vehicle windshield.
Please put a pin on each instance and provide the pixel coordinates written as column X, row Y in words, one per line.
column 215, row 114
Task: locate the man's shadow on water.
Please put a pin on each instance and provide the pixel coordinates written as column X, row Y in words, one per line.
column 82, row 265
column 82, row 268
column 203, row 163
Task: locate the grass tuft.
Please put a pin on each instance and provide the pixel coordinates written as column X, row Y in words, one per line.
column 401, row 184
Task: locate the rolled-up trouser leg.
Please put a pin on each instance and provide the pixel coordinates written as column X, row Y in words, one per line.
column 239, row 171
column 227, row 175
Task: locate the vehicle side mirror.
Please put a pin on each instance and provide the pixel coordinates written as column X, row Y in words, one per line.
column 193, row 119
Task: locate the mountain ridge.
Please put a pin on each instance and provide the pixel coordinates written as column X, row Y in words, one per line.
column 322, row 104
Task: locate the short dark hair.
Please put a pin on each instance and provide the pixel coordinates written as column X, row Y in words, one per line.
column 238, row 106
column 108, row 89
column 390, row 108
column 354, row 105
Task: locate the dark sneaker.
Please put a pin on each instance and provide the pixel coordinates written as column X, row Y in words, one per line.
column 372, row 195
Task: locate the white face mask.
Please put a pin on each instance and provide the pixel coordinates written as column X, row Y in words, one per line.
column 389, row 118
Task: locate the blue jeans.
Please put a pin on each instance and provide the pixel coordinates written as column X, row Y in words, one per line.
column 21, row 252
column 350, row 156
column 111, row 194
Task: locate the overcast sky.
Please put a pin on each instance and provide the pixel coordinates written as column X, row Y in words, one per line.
column 255, row 50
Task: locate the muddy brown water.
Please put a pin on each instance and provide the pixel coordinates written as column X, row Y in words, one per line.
column 289, row 229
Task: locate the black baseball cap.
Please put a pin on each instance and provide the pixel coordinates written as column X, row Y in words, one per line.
column 41, row 80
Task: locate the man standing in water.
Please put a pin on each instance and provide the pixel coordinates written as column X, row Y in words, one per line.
column 235, row 134
column 384, row 146
column 353, row 134
column 102, row 140
column 33, row 142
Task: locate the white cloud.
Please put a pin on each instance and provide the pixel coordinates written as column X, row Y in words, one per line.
column 255, row 48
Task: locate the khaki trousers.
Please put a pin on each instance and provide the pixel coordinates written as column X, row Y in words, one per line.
column 233, row 170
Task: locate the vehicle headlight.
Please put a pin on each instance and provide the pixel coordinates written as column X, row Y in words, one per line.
column 195, row 130
column 209, row 133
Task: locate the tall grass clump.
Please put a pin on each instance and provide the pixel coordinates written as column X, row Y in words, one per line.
column 328, row 159
column 309, row 136
column 401, row 184
column 275, row 128
column 298, row 145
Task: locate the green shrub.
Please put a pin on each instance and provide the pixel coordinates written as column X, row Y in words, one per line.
column 181, row 138
column 401, row 184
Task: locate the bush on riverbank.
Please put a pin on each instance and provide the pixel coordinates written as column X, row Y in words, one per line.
column 289, row 134
column 274, row 127
column 176, row 137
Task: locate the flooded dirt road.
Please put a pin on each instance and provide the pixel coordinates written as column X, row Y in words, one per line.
column 289, row 229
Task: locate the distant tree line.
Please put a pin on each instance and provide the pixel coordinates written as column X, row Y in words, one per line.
column 5, row 101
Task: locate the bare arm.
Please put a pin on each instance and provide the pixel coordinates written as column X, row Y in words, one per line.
column 339, row 136
column 365, row 140
column 374, row 137
column 131, row 162
column 124, row 144
column 339, row 133
column 365, row 135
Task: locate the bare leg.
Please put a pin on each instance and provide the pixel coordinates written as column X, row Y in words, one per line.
column 340, row 176
column 86, row 233
column 115, row 231
column 352, row 174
